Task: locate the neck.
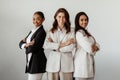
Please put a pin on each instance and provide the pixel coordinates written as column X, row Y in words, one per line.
column 37, row 26
column 61, row 26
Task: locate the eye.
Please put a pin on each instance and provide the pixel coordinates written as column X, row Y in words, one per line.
column 81, row 20
column 33, row 19
column 86, row 20
column 59, row 16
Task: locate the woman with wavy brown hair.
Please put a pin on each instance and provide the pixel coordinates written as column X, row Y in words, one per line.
column 60, row 41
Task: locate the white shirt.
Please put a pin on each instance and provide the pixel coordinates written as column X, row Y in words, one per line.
column 28, row 40
column 61, row 34
column 29, row 37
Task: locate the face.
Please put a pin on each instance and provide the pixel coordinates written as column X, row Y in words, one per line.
column 83, row 22
column 37, row 20
column 61, row 19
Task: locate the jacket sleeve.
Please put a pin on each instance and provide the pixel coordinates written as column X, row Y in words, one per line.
column 22, row 44
column 50, row 45
column 84, row 41
column 38, row 42
column 39, row 39
column 70, row 47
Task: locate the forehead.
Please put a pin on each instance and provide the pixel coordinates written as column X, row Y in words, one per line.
column 61, row 14
column 37, row 15
column 83, row 17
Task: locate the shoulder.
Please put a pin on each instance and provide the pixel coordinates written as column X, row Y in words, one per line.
column 42, row 30
column 49, row 32
column 81, row 32
column 72, row 31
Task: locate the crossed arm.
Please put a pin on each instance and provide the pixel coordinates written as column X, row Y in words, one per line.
column 23, row 44
column 64, row 46
column 26, row 45
column 68, row 42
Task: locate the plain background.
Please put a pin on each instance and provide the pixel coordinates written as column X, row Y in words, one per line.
column 16, row 22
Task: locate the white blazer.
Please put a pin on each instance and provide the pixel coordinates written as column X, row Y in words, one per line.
column 61, row 60
column 84, row 58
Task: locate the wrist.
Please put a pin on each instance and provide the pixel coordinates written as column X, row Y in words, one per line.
column 27, row 45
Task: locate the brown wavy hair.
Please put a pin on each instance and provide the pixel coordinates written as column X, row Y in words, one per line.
column 67, row 23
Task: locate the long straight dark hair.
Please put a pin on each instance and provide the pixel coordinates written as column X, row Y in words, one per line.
column 67, row 23
column 77, row 26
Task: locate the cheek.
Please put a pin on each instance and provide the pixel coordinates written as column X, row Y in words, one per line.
column 63, row 20
column 39, row 21
column 33, row 22
column 80, row 23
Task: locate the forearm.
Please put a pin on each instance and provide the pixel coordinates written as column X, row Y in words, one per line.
column 62, row 45
column 67, row 43
column 68, row 48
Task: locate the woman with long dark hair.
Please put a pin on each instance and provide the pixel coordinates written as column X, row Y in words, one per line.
column 86, row 49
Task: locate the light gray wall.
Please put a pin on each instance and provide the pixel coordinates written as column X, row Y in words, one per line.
column 16, row 21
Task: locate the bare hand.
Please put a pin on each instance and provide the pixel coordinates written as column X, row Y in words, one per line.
column 49, row 39
column 94, row 48
column 27, row 45
column 32, row 42
column 71, row 41
column 24, row 40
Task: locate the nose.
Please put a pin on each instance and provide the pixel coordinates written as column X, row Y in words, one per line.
column 85, row 22
column 62, row 19
column 35, row 21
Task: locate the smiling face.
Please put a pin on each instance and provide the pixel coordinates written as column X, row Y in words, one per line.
column 61, row 19
column 37, row 20
column 83, row 21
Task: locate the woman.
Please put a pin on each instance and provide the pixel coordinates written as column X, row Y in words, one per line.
column 33, row 43
column 60, row 42
column 86, row 49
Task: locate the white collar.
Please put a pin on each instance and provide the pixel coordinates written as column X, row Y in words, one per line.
column 63, row 29
column 36, row 28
